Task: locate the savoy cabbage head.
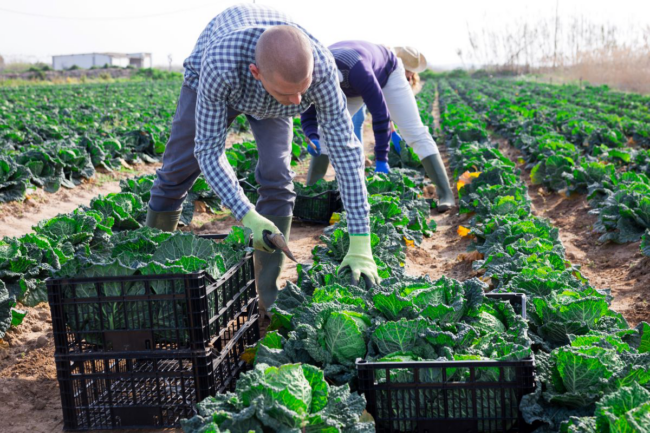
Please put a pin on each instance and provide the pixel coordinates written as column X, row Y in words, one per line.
column 291, row 398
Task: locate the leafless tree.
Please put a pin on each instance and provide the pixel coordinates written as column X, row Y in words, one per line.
column 573, row 46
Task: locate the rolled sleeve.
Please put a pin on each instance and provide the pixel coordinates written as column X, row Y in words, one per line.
column 345, row 152
column 210, row 143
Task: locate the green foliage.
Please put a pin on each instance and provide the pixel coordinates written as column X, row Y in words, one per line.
column 551, row 172
column 13, row 180
column 496, row 191
column 54, row 136
column 625, row 410
column 444, row 319
column 157, row 74
column 589, row 176
column 586, row 353
column 146, row 251
column 474, row 157
column 624, row 215
column 289, row 398
column 645, row 243
column 320, row 187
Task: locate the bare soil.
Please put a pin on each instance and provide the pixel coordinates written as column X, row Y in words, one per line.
column 442, row 253
column 28, row 388
column 17, row 218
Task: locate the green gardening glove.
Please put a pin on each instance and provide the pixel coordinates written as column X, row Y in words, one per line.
column 258, row 224
column 359, row 259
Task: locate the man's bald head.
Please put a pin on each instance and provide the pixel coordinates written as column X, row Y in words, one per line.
column 285, row 51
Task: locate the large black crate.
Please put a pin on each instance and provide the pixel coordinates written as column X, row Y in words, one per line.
column 316, row 209
column 426, row 396
column 148, row 312
column 122, row 390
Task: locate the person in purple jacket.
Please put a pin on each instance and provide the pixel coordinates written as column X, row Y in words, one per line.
column 378, row 77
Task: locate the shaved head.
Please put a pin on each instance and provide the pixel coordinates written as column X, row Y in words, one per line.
column 284, row 52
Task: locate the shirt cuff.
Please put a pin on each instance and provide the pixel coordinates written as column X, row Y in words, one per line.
column 359, row 227
column 241, row 205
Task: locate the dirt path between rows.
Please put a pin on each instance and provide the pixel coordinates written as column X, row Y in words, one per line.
column 17, row 218
column 621, row 268
column 439, row 254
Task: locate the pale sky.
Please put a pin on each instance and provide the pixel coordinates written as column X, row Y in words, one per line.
column 163, row 27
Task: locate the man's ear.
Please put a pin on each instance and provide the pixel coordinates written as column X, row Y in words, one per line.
column 255, row 71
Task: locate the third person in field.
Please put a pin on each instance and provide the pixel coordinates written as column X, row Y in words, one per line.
column 380, row 77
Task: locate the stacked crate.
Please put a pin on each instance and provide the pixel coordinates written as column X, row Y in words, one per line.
column 141, row 351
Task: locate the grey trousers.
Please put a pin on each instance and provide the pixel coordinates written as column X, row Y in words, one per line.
column 180, row 168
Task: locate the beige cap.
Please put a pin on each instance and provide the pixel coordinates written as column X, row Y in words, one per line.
column 414, row 61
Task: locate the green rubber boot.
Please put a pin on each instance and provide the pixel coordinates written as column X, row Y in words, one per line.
column 268, row 267
column 166, row 221
column 317, row 168
column 435, row 169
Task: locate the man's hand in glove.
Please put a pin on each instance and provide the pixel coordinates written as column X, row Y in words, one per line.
column 258, row 224
column 313, row 147
column 382, row 167
column 359, row 259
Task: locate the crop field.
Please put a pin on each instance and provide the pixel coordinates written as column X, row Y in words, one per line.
column 553, row 188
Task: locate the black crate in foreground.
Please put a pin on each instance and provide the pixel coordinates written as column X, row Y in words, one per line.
column 123, row 390
column 421, row 396
column 448, row 396
column 148, row 312
column 315, row 209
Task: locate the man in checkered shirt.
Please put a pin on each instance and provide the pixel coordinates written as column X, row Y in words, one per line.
column 255, row 60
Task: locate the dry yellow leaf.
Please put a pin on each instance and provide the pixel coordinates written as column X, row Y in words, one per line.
column 249, row 355
column 470, row 257
column 336, row 217
column 466, row 178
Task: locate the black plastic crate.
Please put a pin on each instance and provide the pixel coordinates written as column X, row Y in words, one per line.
column 148, row 312
column 122, row 390
column 426, row 396
column 316, row 209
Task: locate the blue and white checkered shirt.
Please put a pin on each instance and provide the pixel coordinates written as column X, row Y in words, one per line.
column 218, row 70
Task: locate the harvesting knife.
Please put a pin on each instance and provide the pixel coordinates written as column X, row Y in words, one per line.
column 277, row 242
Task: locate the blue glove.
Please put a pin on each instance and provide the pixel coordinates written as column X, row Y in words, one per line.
column 396, row 139
column 311, row 150
column 382, row 167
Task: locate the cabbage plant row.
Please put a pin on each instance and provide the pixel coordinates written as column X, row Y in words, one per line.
column 578, row 142
column 56, row 136
column 593, row 370
column 327, row 322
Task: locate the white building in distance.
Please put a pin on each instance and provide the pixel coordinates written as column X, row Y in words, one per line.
column 86, row 61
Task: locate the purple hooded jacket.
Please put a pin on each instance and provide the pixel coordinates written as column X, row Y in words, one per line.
column 365, row 68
